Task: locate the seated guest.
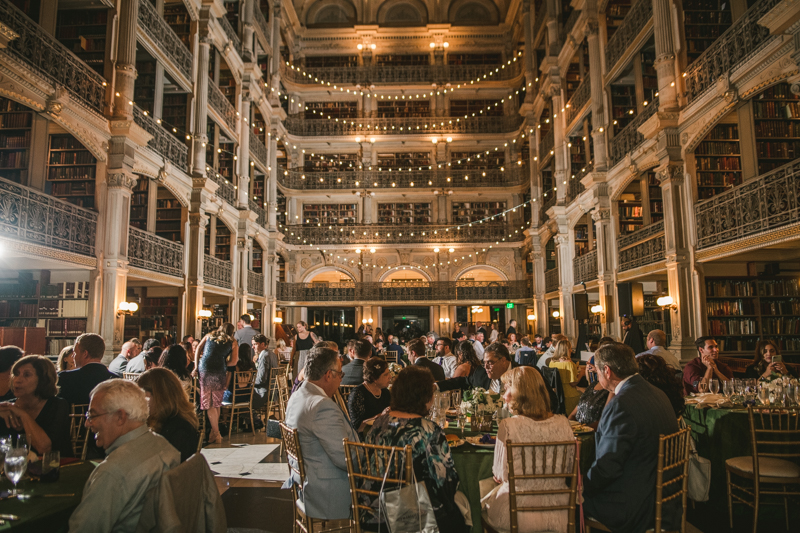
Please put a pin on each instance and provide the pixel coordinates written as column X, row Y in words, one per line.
column 37, row 412
column 478, row 344
column 620, row 487
column 444, row 356
column 405, row 424
column 137, row 364
column 662, row 376
column 372, row 396
column 702, row 369
column 568, row 371
column 281, row 351
column 496, row 361
column 393, row 346
column 416, row 354
column 65, row 361
column 526, row 355
column 119, row 365
column 266, row 362
column 527, row 397
column 321, row 425
column 8, row 356
column 152, row 357
column 591, row 404
column 538, row 343
column 466, row 360
column 174, row 358
column 114, row 494
column 244, row 364
column 76, row 385
column 171, row 414
column 763, row 366
column 189, row 351
column 656, row 340
column 544, row 360
column 354, row 372
column 632, row 335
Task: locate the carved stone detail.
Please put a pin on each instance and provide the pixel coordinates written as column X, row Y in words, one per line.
column 121, row 180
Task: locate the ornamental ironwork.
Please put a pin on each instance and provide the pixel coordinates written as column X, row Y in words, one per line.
column 225, row 191
column 257, row 149
column 29, row 215
column 584, row 267
column 231, row 35
column 261, row 213
column 575, row 186
column 551, row 280
column 549, row 201
column 163, row 36
column 739, row 42
column 156, row 254
column 261, row 24
column 636, row 19
column 642, row 247
column 299, row 125
column 162, row 142
column 626, row 141
column 547, row 144
column 385, row 234
column 571, row 20
column 299, row 179
column 767, row 202
column 255, row 283
column 217, row 272
column 580, row 98
column 541, row 16
column 221, row 105
column 41, row 51
column 475, row 291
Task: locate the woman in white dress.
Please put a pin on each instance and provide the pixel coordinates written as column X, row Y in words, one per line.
column 527, row 397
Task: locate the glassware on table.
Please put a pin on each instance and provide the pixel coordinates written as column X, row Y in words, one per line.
column 22, row 441
column 462, row 420
column 455, row 399
column 5, row 445
column 714, row 386
column 702, row 387
column 51, row 466
column 727, row 388
column 763, row 393
column 16, row 462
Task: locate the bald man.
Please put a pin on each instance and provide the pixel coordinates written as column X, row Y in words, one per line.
column 129, row 350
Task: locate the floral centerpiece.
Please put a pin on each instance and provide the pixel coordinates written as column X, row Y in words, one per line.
column 481, row 405
column 394, row 369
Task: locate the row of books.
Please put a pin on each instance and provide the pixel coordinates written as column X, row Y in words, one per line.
column 718, row 179
column 717, row 148
column 777, row 128
column 84, row 188
column 71, row 173
column 14, row 159
column 718, row 163
column 17, row 309
column 776, row 110
column 62, row 327
column 782, row 150
column 56, row 345
column 67, row 289
column 779, row 287
column 781, row 326
column 16, row 120
column 730, row 307
column 729, row 288
column 63, row 308
column 80, row 157
column 734, row 326
column 22, row 140
column 779, row 307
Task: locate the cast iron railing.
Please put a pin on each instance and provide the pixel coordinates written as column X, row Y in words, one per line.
column 398, row 234
column 156, row 254
column 642, row 247
column 31, row 216
column 467, row 291
column 255, row 283
column 551, row 280
column 549, row 201
column 547, row 144
column 225, row 190
column 579, row 100
column 221, row 105
column 162, row 142
column 163, row 36
column 257, row 149
column 51, row 59
column 764, row 203
column 261, row 213
column 629, row 138
column 541, row 16
column 261, row 25
column 584, row 267
column 634, row 21
column 230, row 33
column 571, row 20
column 217, row 272
column 574, row 185
column 299, row 125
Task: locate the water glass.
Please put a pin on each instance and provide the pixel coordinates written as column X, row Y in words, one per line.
column 462, row 420
column 714, row 386
column 22, row 441
column 16, row 462
column 455, row 398
column 727, row 388
column 763, row 394
column 51, row 466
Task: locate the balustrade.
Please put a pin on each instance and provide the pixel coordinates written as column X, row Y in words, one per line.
column 767, row 202
column 221, row 105
column 226, row 191
column 255, row 283
column 49, row 58
column 261, row 214
column 299, row 125
column 636, row 19
column 579, row 100
column 156, row 254
column 257, row 149
column 163, row 36
column 465, row 291
column 574, row 185
column 584, row 267
column 394, row 234
column 626, row 141
column 31, row 216
column 571, row 20
column 541, row 16
column 261, row 26
column 642, row 247
column 230, row 33
column 162, row 142
column 547, row 144
column 549, row 201
column 217, row 272
column 551, row 280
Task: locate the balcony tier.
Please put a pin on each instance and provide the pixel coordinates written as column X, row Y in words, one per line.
column 299, row 125
column 364, row 235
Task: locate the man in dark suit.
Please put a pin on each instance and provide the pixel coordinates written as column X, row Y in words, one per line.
column 620, row 487
column 632, row 336
column 354, row 372
column 416, row 354
column 77, row 385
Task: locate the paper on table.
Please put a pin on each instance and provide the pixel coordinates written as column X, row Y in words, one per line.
column 703, row 401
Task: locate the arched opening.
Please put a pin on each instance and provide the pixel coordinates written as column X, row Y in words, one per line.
column 331, row 14
column 473, row 13
column 329, row 276
column 481, row 274
column 402, row 275
column 403, row 13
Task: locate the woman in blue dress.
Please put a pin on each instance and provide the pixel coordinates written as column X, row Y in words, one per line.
column 219, row 350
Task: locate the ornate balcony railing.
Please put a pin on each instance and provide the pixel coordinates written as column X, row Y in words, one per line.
column 217, row 272
column 403, row 74
column 163, row 36
column 547, row 144
column 584, row 267
column 221, row 105
column 162, row 142
column 257, row 149
column 549, row 201
column 733, row 47
column 571, row 20
column 574, row 185
column 551, row 280
column 261, row 213
column 255, row 282
column 51, row 59
column 230, row 33
column 301, row 180
column 579, row 100
column 299, row 125
column 154, row 253
column 226, row 191
column 421, row 291
column 629, row 138
column 642, row 247
column 29, row 215
column 261, row 24
column 541, row 16
column 767, row 202
column 632, row 25
column 384, row 234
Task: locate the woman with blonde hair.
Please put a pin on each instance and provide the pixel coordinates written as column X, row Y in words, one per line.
column 212, row 368
column 282, row 352
column 568, row 371
column 528, row 399
column 171, row 415
column 66, row 359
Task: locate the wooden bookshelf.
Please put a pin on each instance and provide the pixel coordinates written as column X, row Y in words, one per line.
column 474, row 59
column 177, row 16
column 223, row 242
column 577, row 155
column 330, row 214
column 415, row 160
column 404, row 109
column 159, row 317
column 654, row 196
column 616, row 10
column 323, row 110
column 15, row 140
column 582, row 245
column 477, row 160
column 144, row 92
column 71, row 171
column 623, row 105
column 630, row 209
column 344, row 61
column 232, row 14
column 139, row 203
column 465, row 212
column 219, row 315
column 397, row 60
column 227, row 165
column 331, row 162
column 227, row 83
column 649, row 76
column 654, row 317
column 174, row 114
column 703, row 22
column 83, row 31
column 776, row 113
column 402, row 213
column 459, row 108
column 282, row 213
column 171, row 216
column 257, row 263
column 718, row 161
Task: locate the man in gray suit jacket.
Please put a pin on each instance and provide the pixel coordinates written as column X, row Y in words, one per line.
column 321, row 426
column 620, row 487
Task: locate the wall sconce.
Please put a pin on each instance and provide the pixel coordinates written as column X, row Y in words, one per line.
column 369, row 321
column 277, row 320
column 556, row 314
column 204, row 314
column 444, row 320
column 597, row 309
column 666, row 302
column 127, row 308
column 532, row 317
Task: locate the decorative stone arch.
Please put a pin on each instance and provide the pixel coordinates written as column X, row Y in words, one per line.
column 231, row 223
column 617, row 192
column 414, row 268
column 473, row 13
column 315, row 271
column 483, row 266
column 330, row 13
column 403, row 13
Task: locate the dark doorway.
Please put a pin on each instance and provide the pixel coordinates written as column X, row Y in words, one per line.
column 333, row 323
column 406, row 322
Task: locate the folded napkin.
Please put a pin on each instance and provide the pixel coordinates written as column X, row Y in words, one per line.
column 703, row 401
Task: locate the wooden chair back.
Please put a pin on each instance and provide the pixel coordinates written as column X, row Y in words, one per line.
column 345, row 391
column 368, row 463
column 275, row 375
column 78, row 432
column 774, row 432
column 391, row 356
column 283, row 397
column 242, row 398
column 564, row 465
column 131, row 376
column 339, row 399
column 672, row 473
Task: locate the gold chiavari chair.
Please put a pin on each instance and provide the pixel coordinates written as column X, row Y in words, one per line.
column 283, row 398
column 368, row 462
column 79, row 433
column 194, row 398
column 131, row 376
column 242, row 400
column 345, row 391
column 273, row 400
column 391, row 356
column 339, row 399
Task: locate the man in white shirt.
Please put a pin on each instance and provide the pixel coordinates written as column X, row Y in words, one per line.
column 656, row 340
column 478, row 344
column 444, row 357
column 245, row 333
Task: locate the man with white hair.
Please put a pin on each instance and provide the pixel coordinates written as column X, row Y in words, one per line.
column 129, row 350
column 113, row 496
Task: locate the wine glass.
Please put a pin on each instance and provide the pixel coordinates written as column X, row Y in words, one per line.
column 16, row 462
column 763, row 393
column 714, row 386
column 455, row 398
column 727, row 388
column 22, row 441
column 462, row 420
column 702, row 387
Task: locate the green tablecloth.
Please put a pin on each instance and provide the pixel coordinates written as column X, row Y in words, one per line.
column 42, row 513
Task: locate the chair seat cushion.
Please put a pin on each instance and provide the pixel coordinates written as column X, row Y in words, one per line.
column 487, row 522
column 237, row 404
column 767, row 466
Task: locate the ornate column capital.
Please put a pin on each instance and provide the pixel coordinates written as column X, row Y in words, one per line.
column 121, row 180
column 672, row 172
column 600, row 215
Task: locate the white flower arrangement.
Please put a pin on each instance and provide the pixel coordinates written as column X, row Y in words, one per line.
column 395, row 369
column 479, row 401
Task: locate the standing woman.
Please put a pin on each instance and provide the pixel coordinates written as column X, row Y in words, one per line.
column 303, row 342
column 215, row 347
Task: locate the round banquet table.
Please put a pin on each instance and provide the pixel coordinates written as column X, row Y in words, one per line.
column 474, row 463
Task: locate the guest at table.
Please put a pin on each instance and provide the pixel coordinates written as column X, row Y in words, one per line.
column 76, row 385
column 210, row 365
column 152, row 357
column 171, row 414
column 591, row 404
column 371, row 397
column 466, row 360
column 763, row 366
column 114, row 494
column 478, row 345
column 281, row 351
column 538, row 343
column 658, row 373
column 527, row 397
column 129, row 350
column 137, row 365
column 8, row 356
column 405, row 424
column 444, row 357
column 354, row 372
column 65, row 361
column 619, row 488
column 656, row 340
column 526, row 355
column 266, row 362
column 544, row 360
column 416, row 354
column 702, row 369
column 174, row 358
column 37, row 412
column 568, row 371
